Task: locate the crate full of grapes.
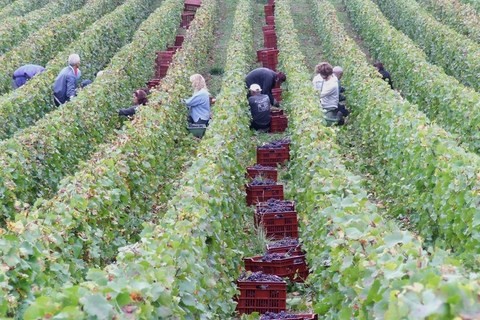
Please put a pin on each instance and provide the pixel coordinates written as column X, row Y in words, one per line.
column 286, row 264
column 287, row 244
column 259, row 190
column 261, row 293
column 272, row 154
column 279, row 222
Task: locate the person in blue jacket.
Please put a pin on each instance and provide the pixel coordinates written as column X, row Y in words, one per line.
column 25, row 73
column 65, row 86
column 199, row 103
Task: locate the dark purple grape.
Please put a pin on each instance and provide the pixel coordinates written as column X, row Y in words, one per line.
column 281, row 315
column 260, row 167
column 284, row 243
column 269, row 257
column 259, row 276
column 277, row 144
column 262, row 182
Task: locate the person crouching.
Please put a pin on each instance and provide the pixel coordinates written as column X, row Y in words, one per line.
column 260, row 108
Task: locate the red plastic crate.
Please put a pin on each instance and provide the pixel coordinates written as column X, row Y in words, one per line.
column 173, row 49
column 284, row 248
column 277, row 112
column 279, row 123
column 161, row 70
column 192, row 5
column 153, row 83
column 268, row 27
column 270, row 39
column 268, row 54
column 260, row 193
column 272, row 157
column 277, row 94
column 270, row 20
column 287, row 204
column 179, row 40
column 269, row 9
column 294, row 267
column 187, row 18
column 278, row 225
column 265, row 172
column 258, row 296
column 164, row 57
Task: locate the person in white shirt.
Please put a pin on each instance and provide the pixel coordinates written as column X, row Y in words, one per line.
column 327, row 85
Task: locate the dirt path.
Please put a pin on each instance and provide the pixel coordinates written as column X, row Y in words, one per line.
column 218, row 55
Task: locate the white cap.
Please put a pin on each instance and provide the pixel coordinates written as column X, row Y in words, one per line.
column 255, row 88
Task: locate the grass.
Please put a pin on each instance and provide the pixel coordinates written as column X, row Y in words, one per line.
column 218, row 55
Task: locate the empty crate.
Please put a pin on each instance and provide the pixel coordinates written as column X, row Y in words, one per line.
column 279, row 123
column 270, row 39
column 263, row 172
column 192, row 5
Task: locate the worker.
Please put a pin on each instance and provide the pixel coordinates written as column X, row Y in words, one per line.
column 199, row 103
column 139, row 99
column 259, row 108
column 25, row 73
column 342, row 100
column 385, row 74
column 65, row 86
column 267, row 79
column 327, row 85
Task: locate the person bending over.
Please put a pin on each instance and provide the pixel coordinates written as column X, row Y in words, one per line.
column 267, row 79
column 25, row 73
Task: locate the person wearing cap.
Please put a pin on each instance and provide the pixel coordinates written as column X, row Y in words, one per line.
column 25, row 73
column 259, row 107
column 65, row 86
column 267, row 79
column 139, row 99
column 199, row 103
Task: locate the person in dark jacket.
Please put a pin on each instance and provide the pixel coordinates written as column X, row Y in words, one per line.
column 385, row 74
column 65, row 86
column 25, row 73
column 259, row 107
column 342, row 100
column 267, row 79
column 139, row 99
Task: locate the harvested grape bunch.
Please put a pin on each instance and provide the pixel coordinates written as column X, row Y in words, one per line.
column 269, row 257
column 276, row 144
column 284, row 243
column 280, row 208
column 259, row 276
column 260, row 167
column 276, row 202
column 262, row 182
column 281, row 315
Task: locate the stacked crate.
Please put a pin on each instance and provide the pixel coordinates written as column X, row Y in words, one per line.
column 165, row 58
